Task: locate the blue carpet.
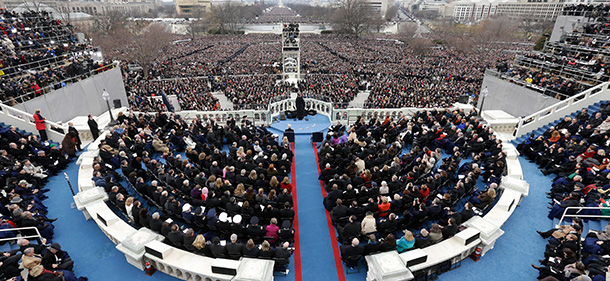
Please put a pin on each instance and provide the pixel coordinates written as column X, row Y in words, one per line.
column 316, row 123
column 520, row 245
column 317, row 260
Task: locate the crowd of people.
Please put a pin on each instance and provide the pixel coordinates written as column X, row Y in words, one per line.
column 26, row 163
column 39, row 54
column 386, row 178
column 254, row 91
column 335, row 68
column 571, row 65
column 575, row 151
column 276, row 15
column 591, row 10
column 241, row 196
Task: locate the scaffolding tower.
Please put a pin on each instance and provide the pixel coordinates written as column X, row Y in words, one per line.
column 291, row 53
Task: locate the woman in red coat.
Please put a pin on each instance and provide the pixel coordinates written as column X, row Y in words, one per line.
column 40, row 125
column 285, row 184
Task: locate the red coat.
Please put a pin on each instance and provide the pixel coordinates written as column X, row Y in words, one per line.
column 39, row 122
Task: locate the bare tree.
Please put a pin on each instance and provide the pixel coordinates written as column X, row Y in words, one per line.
column 224, row 17
column 35, row 5
column 533, row 27
column 377, row 23
column 420, row 45
column 353, row 16
column 145, row 45
column 406, row 31
column 139, row 42
column 195, row 22
column 499, row 29
column 391, row 13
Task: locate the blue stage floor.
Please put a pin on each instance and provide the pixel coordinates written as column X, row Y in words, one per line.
column 316, row 123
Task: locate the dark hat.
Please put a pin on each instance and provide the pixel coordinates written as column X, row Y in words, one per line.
column 254, row 220
column 56, row 246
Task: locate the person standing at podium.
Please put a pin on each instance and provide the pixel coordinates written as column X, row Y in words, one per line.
column 300, row 104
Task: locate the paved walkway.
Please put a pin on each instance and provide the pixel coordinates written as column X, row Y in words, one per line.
column 224, row 102
column 360, row 99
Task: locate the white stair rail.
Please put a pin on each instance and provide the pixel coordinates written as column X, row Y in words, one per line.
column 578, row 209
column 25, row 121
column 538, row 119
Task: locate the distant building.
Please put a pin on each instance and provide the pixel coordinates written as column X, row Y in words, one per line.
column 80, row 8
column 432, row 5
column 468, row 11
column 192, row 6
column 380, row 6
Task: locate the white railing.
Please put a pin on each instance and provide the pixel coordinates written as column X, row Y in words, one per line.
column 536, row 120
column 37, row 236
column 266, row 117
column 578, row 209
column 25, row 121
column 351, row 114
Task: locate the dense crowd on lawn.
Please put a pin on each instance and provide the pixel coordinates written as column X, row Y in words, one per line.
column 243, row 195
column 434, row 79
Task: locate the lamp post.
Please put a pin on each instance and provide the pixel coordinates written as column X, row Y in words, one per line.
column 106, row 97
column 482, row 95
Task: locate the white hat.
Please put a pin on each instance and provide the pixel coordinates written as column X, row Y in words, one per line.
column 223, row 217
column 186, row 207
column 237, row 219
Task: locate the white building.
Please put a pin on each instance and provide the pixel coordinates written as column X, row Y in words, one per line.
column 468, row 11
column 380, row 6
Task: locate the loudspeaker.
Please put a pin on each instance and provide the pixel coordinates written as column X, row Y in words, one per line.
column 415, row 257
column 117, row 103
column 463, row 99
column 468, row 235
column 102, row 220
column 317, row 137
column 153, row 252
column 291, row 114
column 282, row 116
column 312, row 112
column 224, row 266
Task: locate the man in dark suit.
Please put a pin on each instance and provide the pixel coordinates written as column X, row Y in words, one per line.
column 55, row 259
column 352, row 250
column 95, row 132
column 300, row 104
column 372, row 246
column 156, row 222
column 450, row 229
column 234, row 248
column 74, row 132
column 283, row 252
column 176, row 236
column 189, row 238
column 217, row 250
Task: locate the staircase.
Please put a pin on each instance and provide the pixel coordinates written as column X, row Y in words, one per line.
column 570, row 105
column 594, row 108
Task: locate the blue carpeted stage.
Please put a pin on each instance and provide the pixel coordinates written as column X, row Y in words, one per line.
column 316, row 123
